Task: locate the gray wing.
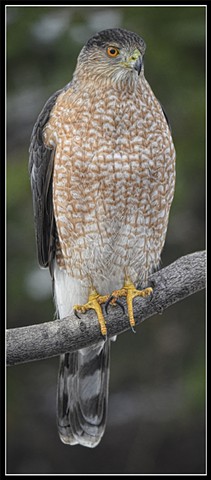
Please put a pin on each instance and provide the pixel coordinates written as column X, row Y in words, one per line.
column 41, row 161
column 166, row 117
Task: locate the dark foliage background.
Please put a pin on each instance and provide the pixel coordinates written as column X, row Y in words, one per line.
column 157, row 405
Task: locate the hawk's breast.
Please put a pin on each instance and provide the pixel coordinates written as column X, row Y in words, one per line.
column 113, row 180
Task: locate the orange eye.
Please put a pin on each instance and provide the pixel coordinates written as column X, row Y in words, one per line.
column 112, row 51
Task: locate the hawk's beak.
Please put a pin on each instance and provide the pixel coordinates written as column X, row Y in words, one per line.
column 135, row 61
column 138, row 65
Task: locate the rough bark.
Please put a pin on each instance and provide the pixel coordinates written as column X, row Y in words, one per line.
column 170, row 285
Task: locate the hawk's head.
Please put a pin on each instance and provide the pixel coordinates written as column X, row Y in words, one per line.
column 114, row 53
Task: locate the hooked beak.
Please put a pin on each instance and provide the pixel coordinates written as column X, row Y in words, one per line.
column 135, row 61
column 138, row 65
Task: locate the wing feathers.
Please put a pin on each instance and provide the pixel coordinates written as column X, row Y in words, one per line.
column 41, row 162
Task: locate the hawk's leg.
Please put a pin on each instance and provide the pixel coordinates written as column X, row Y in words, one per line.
column 130, row 292
column 95, row 301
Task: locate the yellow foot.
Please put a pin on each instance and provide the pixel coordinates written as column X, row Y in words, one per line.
column 94, row 302
column 130, row 292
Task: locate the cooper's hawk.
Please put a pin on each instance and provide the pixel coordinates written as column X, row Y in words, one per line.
column 102, row 166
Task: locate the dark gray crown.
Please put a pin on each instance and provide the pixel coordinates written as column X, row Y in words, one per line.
column 116, row 36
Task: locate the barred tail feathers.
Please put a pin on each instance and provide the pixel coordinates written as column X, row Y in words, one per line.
column 83, row 395
column 82, row 392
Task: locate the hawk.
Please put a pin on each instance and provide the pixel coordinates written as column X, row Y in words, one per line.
column 102, row 169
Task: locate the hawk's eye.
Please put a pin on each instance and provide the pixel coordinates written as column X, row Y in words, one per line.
column 112, row 51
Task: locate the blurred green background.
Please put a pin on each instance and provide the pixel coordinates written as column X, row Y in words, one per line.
column 156, row 405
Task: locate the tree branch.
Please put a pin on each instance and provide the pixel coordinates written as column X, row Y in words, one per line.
column 170, row 285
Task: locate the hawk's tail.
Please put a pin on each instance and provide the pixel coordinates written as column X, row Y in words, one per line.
column 83, row 395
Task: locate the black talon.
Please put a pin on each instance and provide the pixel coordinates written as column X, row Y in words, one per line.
column 150, row 296
column 116, row 301
column 133, row 329
column 107, row 303
column 76, row 314
column 121, row 305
